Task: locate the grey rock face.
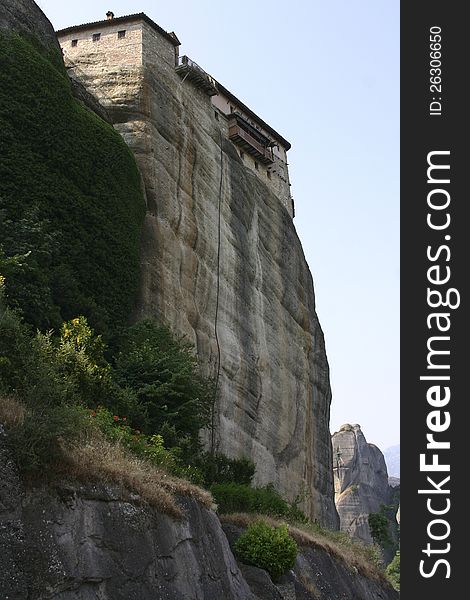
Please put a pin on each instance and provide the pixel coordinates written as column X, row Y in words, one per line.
column 25, row 16
column 260, row 583
column 83, row 95
column 315, row 576
column 84, row 542
column 361, row 480
column 274, row 376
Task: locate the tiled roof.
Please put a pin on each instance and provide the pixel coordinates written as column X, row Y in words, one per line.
column 124, row 19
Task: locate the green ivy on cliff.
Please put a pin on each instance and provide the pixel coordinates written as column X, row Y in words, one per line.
column 70, row 197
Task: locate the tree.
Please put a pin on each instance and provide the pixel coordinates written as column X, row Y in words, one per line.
column 162, row 370
column 379, row 527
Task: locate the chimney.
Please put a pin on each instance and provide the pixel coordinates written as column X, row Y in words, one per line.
column 110, row 15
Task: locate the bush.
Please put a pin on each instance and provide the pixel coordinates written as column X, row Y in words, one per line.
column 393, row 571
column 269, row 548
column 37, row 442
column 70, row 196
column 218, row 468
column 162, row 371
column 233, row 498
column 150, row 447
column 15, row 346
column 379, row 526
column 56, row 378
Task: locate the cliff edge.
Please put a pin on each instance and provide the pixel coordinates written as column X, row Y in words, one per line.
column 221, row 260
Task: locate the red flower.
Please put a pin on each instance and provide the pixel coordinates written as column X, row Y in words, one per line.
column 116, row 418
column 93, row 413
column 123, row 418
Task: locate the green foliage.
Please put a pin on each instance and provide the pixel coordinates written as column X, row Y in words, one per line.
column 28, row 369
column 218, row 468
column 14, row 345
column 371, row 552
column 70, row 197
column 269, row 548
column 379, row 527
column 233, row 497
column 162, row 370
column 151, row 447
column 393, row 571
column 37, row 442
column 57, row 377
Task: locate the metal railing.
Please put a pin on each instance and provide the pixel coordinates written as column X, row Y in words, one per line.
column 185, row 61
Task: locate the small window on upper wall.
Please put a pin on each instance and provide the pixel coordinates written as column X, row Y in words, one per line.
column 216, row 115
column 268, row 173
column 121, row 34
column 96, row 37
column 256, row 165
column 74, row 43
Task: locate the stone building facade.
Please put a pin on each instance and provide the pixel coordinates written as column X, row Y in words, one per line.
column 115, row 44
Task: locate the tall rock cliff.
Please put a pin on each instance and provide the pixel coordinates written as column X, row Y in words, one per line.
column 361, row 481
column 221, row 262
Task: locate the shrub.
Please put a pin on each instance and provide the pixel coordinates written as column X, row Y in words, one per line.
column 78, row 360
column 365, row 558
column 269, row 548
column 393, row 571
column 37, row 441
column 379, row 527
column 234, row 498
column 14, row 346
column 218, row 468
column 162, row 370
column 151, row 447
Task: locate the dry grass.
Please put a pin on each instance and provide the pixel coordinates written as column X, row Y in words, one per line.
column 93, row 458
column 309, row 586
column 356, row 556
column 96, row 459
column 12, row 412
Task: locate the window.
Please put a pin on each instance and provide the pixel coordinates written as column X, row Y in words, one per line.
column 74, row 43
column 216, row 115
column 268, row 173
column 96, row 37
column 256, row 165
column 121, row 34
column 232, row 109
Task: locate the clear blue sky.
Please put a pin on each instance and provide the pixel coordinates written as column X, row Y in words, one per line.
column 325, row 74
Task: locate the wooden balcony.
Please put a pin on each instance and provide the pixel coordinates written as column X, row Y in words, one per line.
column 252, row 141
column 188, row 69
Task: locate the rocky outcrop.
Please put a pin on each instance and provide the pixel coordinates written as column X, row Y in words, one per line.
column 222, row 264
column 71, row 541
column 25, row 16
column 315, row 576
column 83, row 95
column 361, row 480
column 82, row 542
